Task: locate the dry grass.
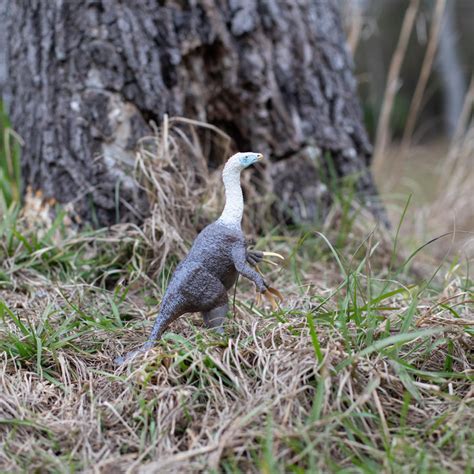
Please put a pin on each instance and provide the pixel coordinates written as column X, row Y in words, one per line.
column 382, row 136
column 440, row 178
column 365, row 368
column 425, row 72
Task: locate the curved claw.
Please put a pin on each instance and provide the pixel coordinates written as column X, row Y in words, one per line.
column 269, row 295
column 254, row 257
column 275, row 292
column 273, row 254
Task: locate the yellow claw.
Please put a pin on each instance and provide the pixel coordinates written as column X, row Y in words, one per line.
column 268, row 295
column 273, row 254
column 276, row 293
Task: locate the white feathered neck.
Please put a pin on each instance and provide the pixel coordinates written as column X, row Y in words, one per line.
column 234, row 199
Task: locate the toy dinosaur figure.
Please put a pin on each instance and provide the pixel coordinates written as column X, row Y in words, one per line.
column 219, row 253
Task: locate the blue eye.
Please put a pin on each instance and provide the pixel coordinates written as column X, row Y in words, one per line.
column 247, row 160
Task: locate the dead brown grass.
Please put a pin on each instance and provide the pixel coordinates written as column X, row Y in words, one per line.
column 257, row 400
column 366, row 367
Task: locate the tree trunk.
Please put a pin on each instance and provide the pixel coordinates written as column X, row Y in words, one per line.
column 84, row 80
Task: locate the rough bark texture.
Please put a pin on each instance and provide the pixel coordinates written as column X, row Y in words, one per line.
column 85, row 78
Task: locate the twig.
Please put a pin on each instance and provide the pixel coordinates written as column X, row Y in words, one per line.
column 424, row 74
column 234, row 308
column 383, row 127
column 457, row 141
column 355, row 14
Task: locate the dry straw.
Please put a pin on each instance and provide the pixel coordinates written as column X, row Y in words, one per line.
column 383, row 128
column 424, row 74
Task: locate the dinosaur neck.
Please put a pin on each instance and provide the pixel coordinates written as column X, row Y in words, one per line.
column 234, row 199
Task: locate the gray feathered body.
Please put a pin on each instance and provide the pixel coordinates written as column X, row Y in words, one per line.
column 201, row 281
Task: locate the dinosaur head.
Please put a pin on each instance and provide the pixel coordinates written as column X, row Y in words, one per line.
column 242, row 160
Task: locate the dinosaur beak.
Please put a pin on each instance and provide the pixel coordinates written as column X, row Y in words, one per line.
column 259, row 157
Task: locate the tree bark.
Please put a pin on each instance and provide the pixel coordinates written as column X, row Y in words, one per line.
column 84, row 80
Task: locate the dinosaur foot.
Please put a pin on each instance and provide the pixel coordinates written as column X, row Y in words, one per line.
column 269, row 295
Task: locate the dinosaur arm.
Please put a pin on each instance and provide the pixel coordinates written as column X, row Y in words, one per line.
column 239, row 257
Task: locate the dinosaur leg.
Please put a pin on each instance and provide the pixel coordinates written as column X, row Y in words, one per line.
column 215, row 318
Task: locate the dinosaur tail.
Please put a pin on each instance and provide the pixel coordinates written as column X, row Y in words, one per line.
column 167, row 314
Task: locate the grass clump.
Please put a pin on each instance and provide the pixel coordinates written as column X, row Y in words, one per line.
column 367, row 367
column 10, row 170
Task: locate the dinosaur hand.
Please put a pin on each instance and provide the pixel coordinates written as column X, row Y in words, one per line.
column 261, row 283
column 254, row 257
